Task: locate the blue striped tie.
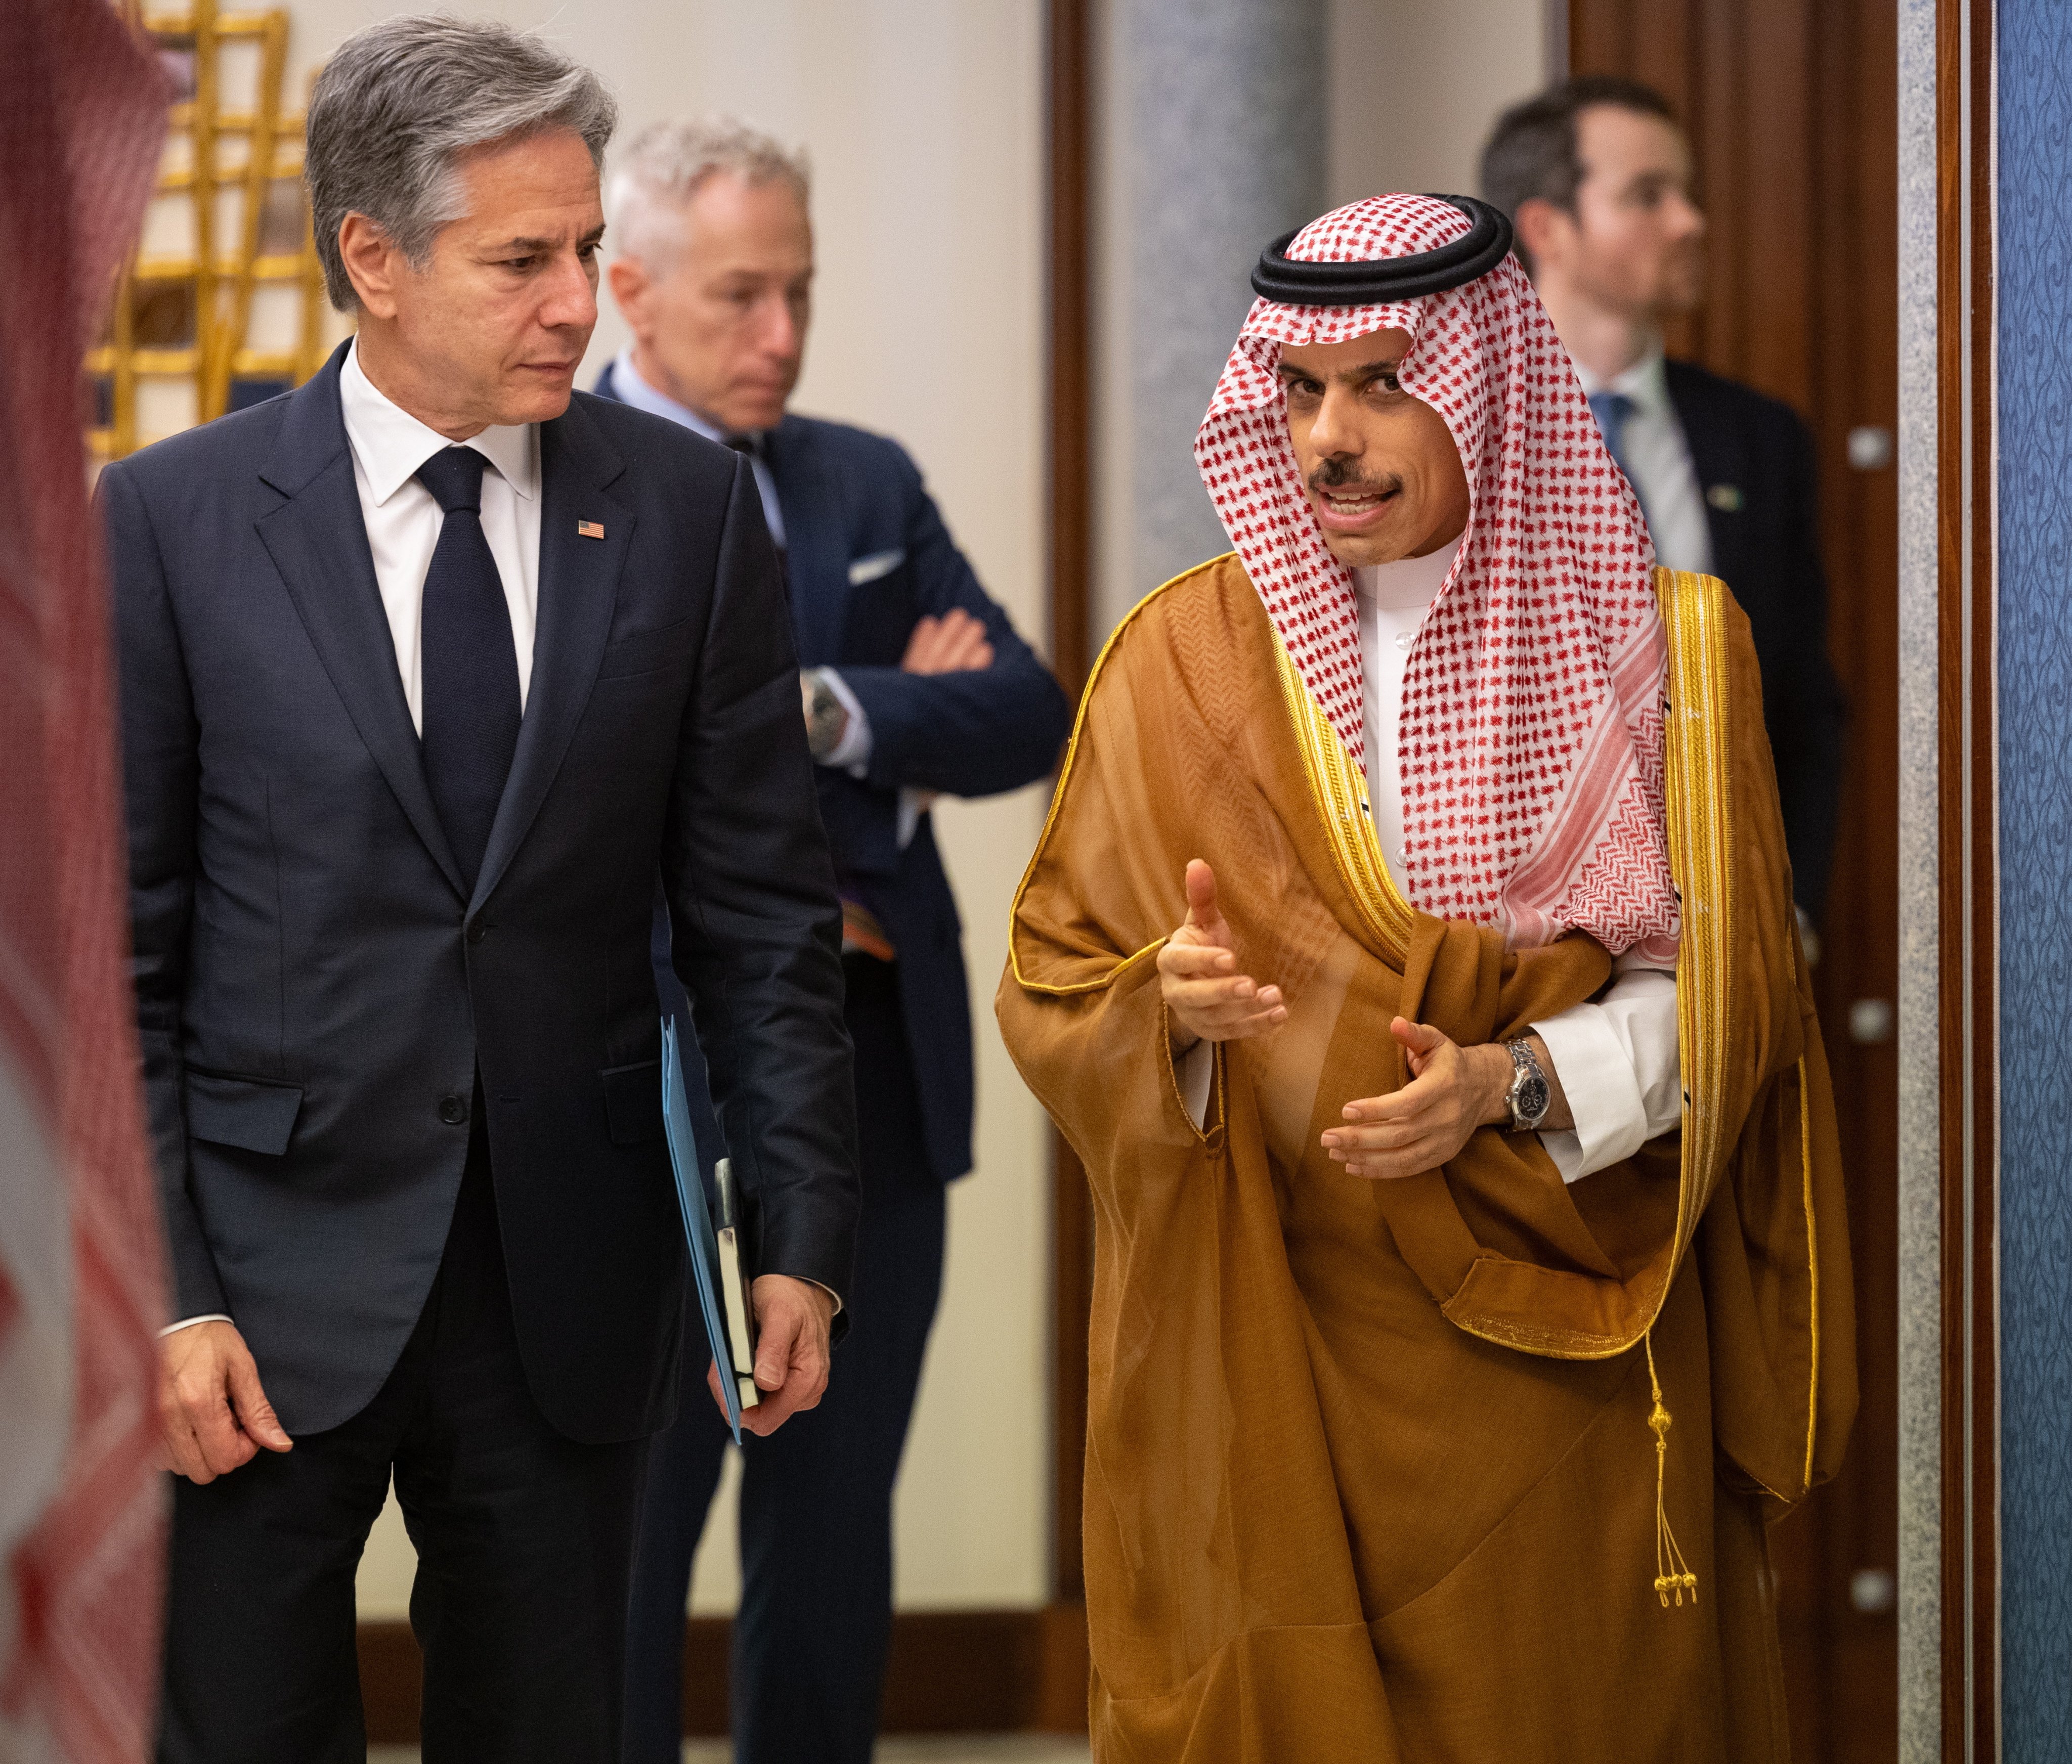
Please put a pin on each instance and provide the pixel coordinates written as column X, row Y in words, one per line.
column 469, row 663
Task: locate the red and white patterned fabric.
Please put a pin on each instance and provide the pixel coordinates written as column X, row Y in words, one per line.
column 1531, row 731
column 82, row 1499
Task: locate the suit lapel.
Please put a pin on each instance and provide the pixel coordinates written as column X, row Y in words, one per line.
column 816, row 555
column 1715, row 459
column 578, row 588
column 318, row 541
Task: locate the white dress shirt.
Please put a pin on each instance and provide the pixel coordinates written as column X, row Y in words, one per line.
column 1658, row 458
column 633, row 388
column 1393, row 601
column 403, row 519
column 1616, row 1055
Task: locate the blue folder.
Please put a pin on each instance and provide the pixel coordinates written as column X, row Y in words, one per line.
column 699, row 1236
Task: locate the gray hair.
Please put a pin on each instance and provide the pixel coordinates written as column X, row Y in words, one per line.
column 667, row 162
column 399, row 104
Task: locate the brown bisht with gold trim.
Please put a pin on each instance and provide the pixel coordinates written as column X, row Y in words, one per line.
column 1370, row 1471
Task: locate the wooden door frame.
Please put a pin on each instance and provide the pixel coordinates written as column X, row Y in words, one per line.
column 1069, row 167
column 1966, row 908
column 1949, row 885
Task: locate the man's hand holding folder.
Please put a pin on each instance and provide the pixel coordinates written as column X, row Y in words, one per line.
column 793, row 1321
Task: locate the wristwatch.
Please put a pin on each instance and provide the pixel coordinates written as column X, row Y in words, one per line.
column 1529, row 1095
column 827, row 717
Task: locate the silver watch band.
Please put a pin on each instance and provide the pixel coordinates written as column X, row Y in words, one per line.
column 1529, row 1095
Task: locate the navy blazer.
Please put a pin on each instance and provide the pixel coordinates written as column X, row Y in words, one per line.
column 1755, row 463
column 318, row 995
column 867, row 556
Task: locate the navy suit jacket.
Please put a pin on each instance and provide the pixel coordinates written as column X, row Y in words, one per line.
column 867, row 556
column 318, row 994
column 1755, row 462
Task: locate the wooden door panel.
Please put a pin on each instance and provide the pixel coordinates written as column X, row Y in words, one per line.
column 1791, row 109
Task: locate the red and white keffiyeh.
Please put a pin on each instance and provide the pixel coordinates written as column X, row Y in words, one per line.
column 1531, row 731
column 83, row 1497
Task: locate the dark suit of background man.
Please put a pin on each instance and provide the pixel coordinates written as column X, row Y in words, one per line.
column 915, row 684
column 411, row 729
column 1597, row 176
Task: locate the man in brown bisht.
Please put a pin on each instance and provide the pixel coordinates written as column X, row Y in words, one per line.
column 1409, row 958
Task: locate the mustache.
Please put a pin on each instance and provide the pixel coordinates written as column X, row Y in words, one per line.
column 1337, row 473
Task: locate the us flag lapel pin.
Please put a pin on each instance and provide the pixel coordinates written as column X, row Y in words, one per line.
column 590, row 529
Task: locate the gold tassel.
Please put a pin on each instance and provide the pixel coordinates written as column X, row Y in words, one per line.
column 1672, row 1573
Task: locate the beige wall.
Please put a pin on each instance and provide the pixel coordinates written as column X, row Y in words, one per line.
column 1416, row 84
column 923, row 118
column 1411, row 87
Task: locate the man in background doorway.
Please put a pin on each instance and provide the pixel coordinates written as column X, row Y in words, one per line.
column 913, row 684
column 1596, row 175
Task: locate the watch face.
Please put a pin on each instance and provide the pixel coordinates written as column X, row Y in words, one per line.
column 825, row 723
column 1533, row 1098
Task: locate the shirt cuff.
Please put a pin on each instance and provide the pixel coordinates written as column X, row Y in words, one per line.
column 188, row 1323
column 1197, row 1073
column 913, row 804
column 1809, row 937
column 1616, row 1059
column 852, row 753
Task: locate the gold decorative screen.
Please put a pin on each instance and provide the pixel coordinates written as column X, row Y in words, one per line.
column 223, row 303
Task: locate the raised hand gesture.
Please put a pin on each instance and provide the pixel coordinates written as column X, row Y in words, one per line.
column 1207, row 998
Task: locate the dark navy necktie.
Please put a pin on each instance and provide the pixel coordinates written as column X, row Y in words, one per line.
column 469, row 663
column 752, row 447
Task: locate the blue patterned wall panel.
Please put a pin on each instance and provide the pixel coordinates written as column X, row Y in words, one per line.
column 2035, row 662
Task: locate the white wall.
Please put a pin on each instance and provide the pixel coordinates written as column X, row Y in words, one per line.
column 923, row 119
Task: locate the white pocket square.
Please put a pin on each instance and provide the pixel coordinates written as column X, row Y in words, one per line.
column 868, row 569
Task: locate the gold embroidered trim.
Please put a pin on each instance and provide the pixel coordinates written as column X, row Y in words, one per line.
column 1812, row 1276
column 1339, row 790
column 1546, row 1344
column 1057, row 800
column 1698, row 790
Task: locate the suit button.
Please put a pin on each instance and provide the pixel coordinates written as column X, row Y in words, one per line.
column 477, row 932
column 453, row 1110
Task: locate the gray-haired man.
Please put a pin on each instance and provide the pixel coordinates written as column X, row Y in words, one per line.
column 917, row 684
column 428, row 671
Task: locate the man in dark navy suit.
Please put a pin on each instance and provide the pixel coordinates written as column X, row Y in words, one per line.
column 913, row 685
column 430, row 671
column 1596, row 175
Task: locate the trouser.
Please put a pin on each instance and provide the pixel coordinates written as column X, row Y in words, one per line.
column 815, row 1614
column 525, row 1545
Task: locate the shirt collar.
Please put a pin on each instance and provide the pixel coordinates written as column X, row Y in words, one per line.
column 635, row 388
column 1408, row 583
column 390, row 443
column 1646, row 382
